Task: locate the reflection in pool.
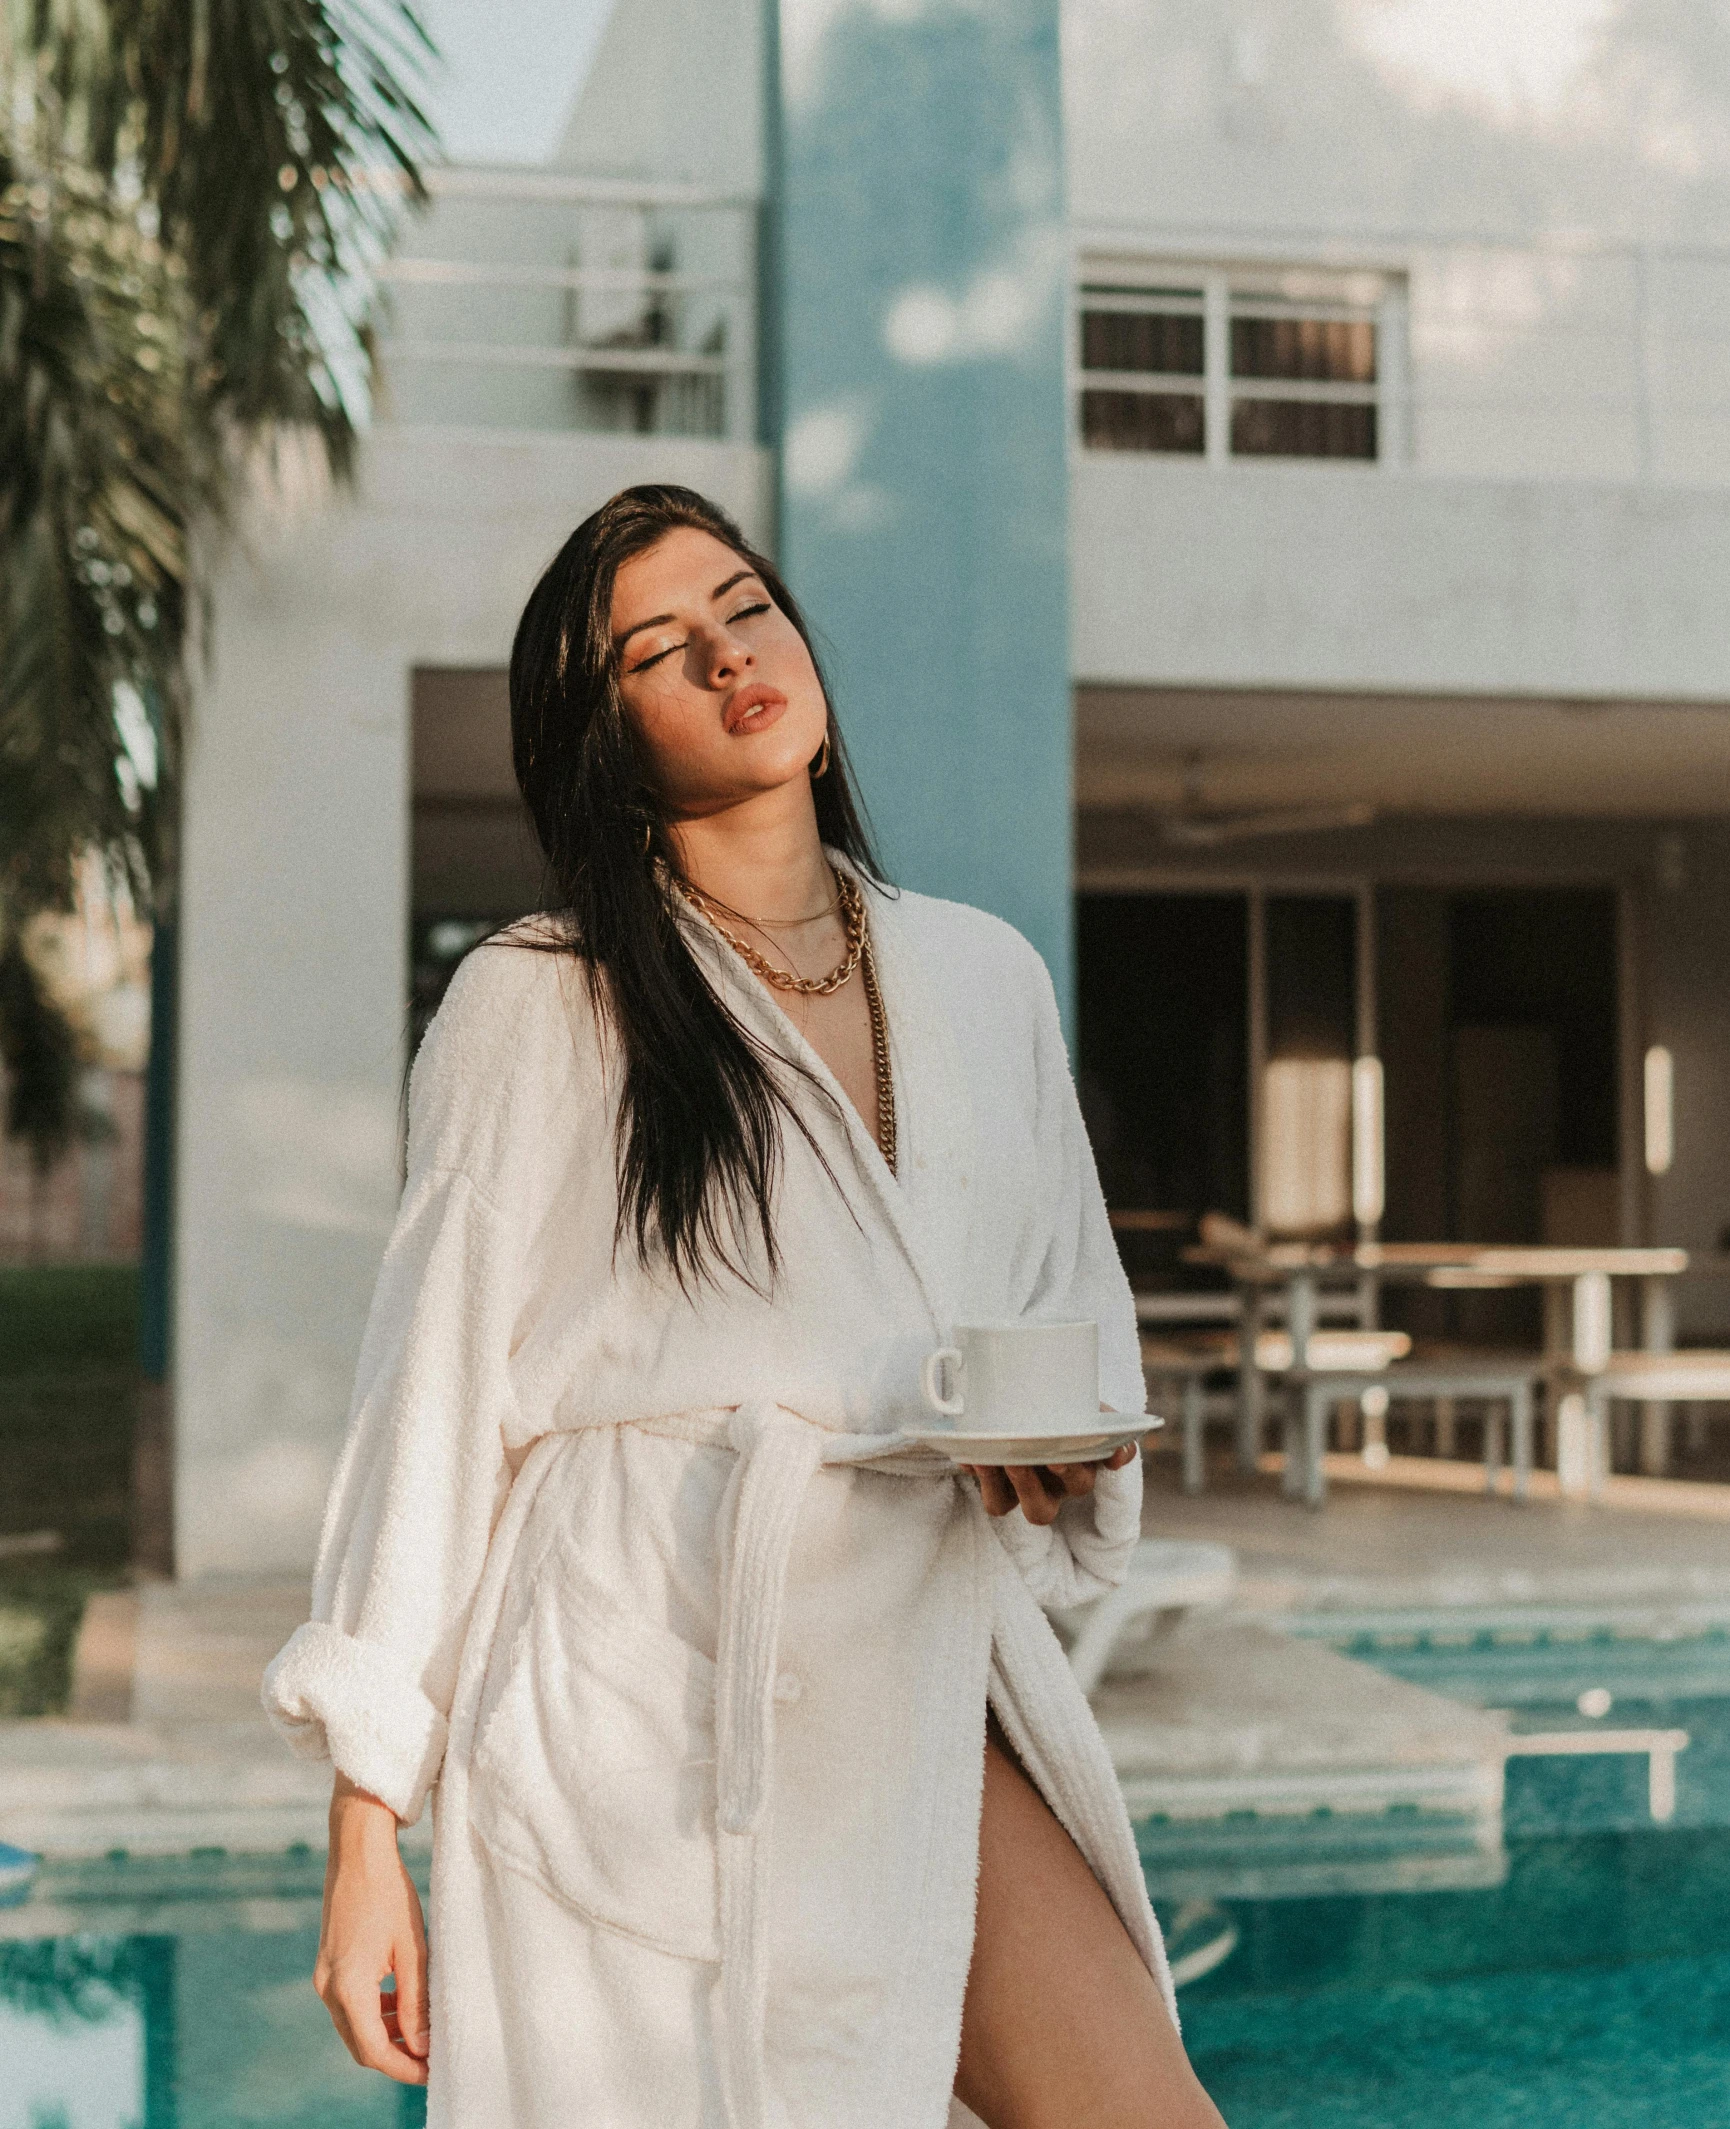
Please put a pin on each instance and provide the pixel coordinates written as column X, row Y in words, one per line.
column 177, row 1995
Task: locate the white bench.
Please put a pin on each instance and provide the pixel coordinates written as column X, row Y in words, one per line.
column 1312, row 1392
column 1690, row 1377
column 1183, row 1366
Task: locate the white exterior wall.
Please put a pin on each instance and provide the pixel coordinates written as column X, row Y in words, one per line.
column 295, row 910
column 675, row 91
column 1558, row 502
column 295, row 929
column 1324, row 576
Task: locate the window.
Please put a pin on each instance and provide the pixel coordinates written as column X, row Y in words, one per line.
column 1236, row 365
column 1142, row 356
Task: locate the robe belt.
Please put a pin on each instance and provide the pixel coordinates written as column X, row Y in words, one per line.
column 778, row 1455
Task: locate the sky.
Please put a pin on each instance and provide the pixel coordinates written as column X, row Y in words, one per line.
column 511, row 69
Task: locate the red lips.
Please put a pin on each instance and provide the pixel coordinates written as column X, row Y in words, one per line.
column 753, row 708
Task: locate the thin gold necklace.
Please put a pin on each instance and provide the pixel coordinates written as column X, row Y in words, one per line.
column 853, row 920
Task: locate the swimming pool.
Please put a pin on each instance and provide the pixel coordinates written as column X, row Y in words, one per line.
column 1592, row 1987
column 165, row 2032
column 1560, row 1676
column 1589, row 1985
column 1578, row 1977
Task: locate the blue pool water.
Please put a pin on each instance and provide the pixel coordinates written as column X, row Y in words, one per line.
column 240, row 2046
column 1547, row 1680
column 1591, row 1988
column 1588, row 1989
column 1578, row 1979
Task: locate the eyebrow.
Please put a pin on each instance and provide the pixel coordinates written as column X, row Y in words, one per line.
column 658, row 620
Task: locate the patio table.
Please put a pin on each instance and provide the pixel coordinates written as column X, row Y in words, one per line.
column 1577, row 1284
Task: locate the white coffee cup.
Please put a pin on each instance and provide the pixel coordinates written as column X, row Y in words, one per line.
column 1017, row 1378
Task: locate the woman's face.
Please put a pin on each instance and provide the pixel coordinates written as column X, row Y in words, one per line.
column 717, row 682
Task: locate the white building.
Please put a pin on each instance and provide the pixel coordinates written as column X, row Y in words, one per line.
column 1399, row 512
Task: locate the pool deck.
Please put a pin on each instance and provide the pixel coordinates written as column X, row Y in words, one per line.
column 1237, row 1714
column 165, row 1749
column 1261, row 1760
column 1421, row 1535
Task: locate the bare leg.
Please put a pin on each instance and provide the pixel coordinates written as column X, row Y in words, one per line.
column 1063, row 2027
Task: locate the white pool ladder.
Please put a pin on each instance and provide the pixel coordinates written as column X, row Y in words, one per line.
column 1659, row 1746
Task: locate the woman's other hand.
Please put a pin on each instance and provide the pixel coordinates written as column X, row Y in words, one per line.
column 372, row 1927
column 1040, row 1490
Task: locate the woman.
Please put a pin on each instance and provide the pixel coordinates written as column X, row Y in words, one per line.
column 700, row 1168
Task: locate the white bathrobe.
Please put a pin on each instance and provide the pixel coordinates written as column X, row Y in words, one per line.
column 698, row 1661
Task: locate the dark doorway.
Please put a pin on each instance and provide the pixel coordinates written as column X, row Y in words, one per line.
column 475, row 864
column 1498, row 1012
column 1163, row 984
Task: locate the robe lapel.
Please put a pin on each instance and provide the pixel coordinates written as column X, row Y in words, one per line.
column 925, row 1204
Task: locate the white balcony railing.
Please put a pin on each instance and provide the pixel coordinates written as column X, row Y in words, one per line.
column 532, row 300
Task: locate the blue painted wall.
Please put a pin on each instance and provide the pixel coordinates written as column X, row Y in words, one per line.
column 915, row 265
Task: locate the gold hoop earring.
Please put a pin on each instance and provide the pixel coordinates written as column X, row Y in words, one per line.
column 648, row 837
column 822, row 763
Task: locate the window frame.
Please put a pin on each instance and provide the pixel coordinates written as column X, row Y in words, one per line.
column 1218, row 294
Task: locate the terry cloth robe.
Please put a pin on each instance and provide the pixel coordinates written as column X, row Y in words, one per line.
column 698, row 1661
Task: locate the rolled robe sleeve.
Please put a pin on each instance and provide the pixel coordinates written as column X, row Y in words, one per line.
column 1086, row 1551
column 424, row 1471
column 423, row 1476
column 334, row 1697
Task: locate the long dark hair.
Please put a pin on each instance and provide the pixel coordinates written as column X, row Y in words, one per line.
column 702, row 1100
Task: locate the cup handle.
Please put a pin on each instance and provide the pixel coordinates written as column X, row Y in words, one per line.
column 950, row 1407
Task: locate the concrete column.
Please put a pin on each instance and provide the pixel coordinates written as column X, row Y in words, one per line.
column 918, row 392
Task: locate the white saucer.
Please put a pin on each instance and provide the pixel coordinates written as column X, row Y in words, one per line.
column 1089, row 1445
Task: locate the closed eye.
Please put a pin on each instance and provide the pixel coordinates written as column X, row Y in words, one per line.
column 643, row 664
column 745, row 613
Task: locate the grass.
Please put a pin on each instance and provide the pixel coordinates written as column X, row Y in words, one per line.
column 68, row 1382
column 39, row 1617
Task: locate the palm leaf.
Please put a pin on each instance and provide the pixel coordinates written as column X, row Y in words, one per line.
column 277, row 141
column 102, row 477
column 192, row 196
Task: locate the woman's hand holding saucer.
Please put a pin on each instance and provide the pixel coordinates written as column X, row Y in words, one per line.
column 1040, row 1490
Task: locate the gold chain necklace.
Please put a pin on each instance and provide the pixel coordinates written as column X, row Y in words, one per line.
column 853, row 921
column 880, row 1058
column 858, row 956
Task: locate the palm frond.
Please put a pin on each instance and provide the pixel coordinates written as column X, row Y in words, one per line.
column 40, row 1053
column 277, row 141
column 192, row 196
column 102, row 476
